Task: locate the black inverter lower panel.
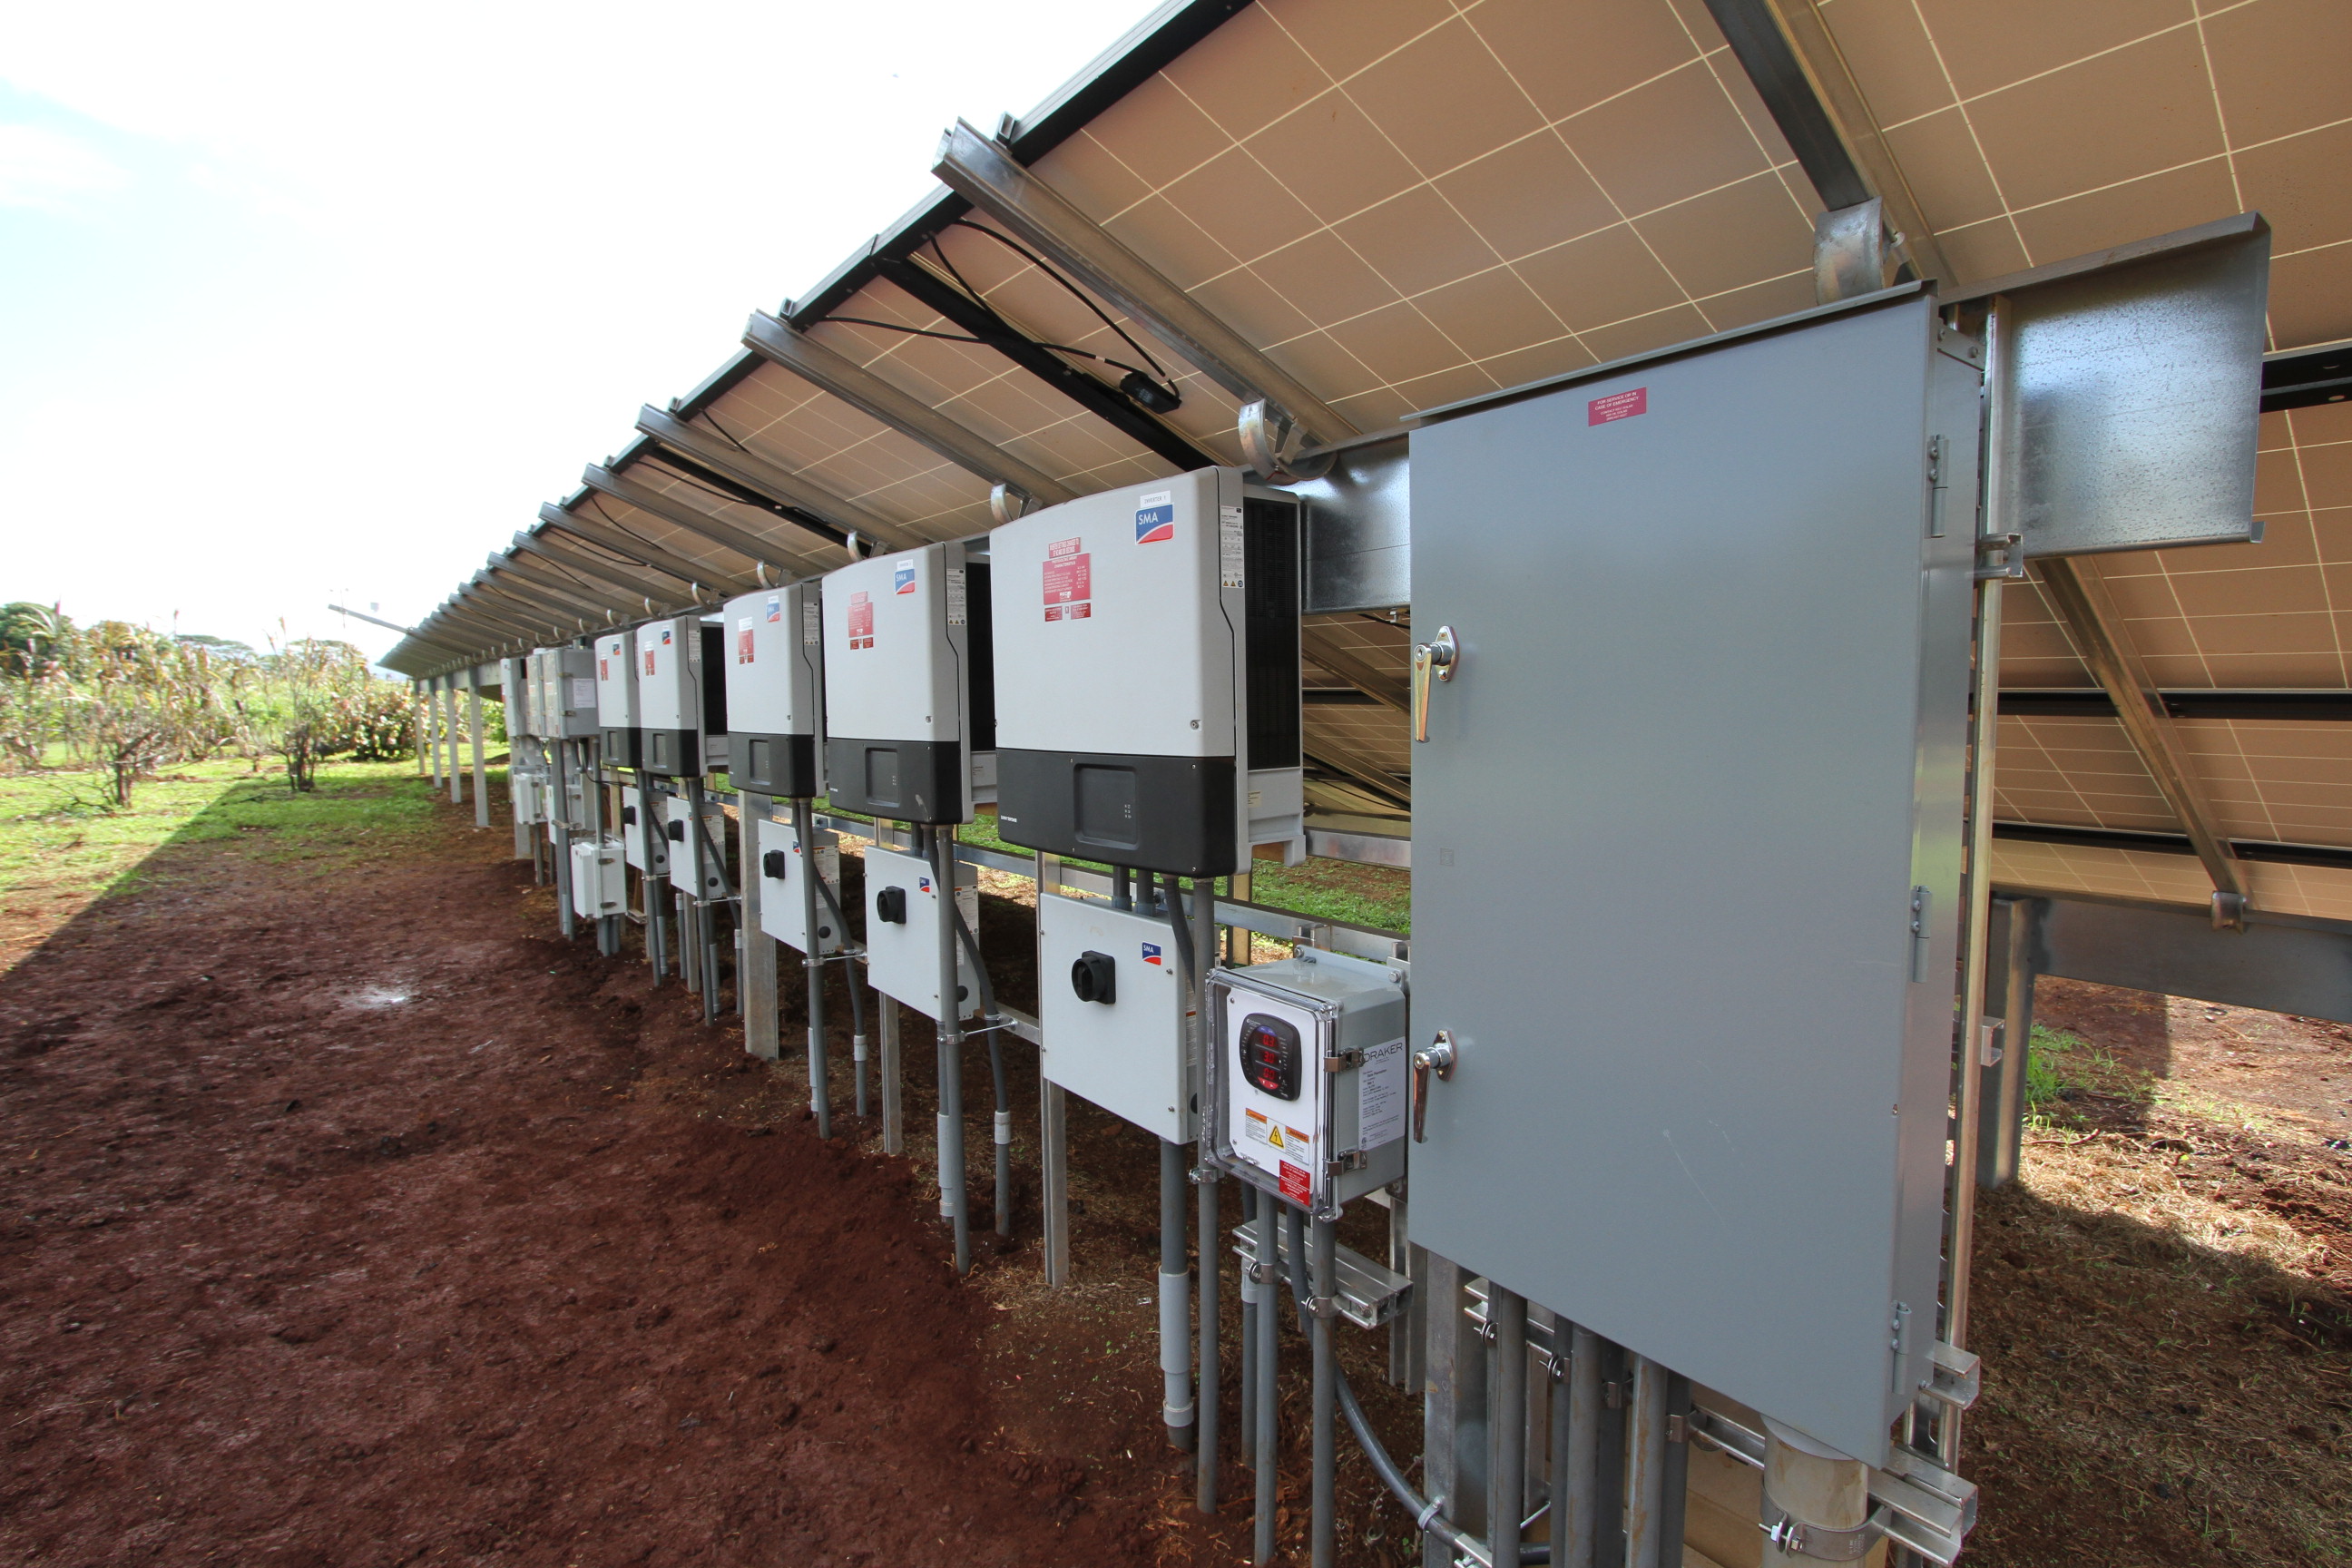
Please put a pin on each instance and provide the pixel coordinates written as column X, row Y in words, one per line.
column 673, row 753
column 905, row 780
column 773, row 764
column 1174, row 814
column 623, row 748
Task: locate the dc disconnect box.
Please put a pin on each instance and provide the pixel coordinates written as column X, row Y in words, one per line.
column 775, row 689
column 1148, row 702
column 1312, row 1077
column 909, row 670
column 782, row 887
column 697, row 864
column 633, row 835
column 1112, row 1006
column 902, row 930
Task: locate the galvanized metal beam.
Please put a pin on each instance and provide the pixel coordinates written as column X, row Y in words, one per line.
column 830, row 517
column 877, row 398
column 1104, row 402
column 2076, row 596
column 2280, row 963
column 603, row 535
column 984, row 174
column 1794, row 62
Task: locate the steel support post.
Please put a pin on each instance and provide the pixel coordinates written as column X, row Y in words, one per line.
column 560, row 802
column 813, row 968
column 2009, row 980
column 1576, row 1449
column 1453, row 1410
column 1054, row 1145
column 1247, row 1425
column 474, row 730
column 758, row 978
column 1645, row 1478
column 1323, row 1404
column 1211, row 1357
column 420, row 710
column 1267, row 1339
column 894, row 1114
column 449, row 705
column 1176, row 1408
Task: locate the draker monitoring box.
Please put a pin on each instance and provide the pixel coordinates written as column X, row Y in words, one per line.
column 908, row 683
column 1147, row 655
column 775, row 664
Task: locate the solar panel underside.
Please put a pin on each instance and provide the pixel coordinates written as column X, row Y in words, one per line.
column 1406, row 201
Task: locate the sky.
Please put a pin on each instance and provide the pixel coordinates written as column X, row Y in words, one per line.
column 311, row 303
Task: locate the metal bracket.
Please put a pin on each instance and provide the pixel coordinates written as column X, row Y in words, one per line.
column 2010, row 548
column 1923, row 1506
column 1340, row 1061
column 1350, row 1160
column 1798, row 1539
column 1006, row 504
column 1956, row 1376
column 1853, row 252
column 1271, row 443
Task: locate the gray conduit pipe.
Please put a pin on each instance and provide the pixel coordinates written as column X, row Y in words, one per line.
column 951, row 1058
column 1210, row 1358
column 1175, row 1303
column 849, row 975
column 1576, row 1448
column 813, row 969
column 1506, row 1421
column 1269, row 1324
column 1249, row 1332
column 995, row 1062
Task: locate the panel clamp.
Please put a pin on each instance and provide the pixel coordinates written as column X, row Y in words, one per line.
column 2010, row 548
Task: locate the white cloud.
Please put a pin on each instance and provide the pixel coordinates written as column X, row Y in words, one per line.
column 48, row 169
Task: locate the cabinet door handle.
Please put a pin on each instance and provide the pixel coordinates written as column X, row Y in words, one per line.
column 1435, row 659
column 1435, row 1058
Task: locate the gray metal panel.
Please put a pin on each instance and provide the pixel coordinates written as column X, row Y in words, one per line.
column 2136, row 393
column 2303, row 969
column 1700, row 1099
column 1360, row 530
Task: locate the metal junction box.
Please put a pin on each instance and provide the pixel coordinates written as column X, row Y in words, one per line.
column 1111, row 1012
column 599, row 879
column 677, row 702
column 908, row 683
column 1146, row 650
column 1686, row 849
column 775, row 689
column 616, row 699
column 516, row 680
column 1311, row 1076
column 781, row 869
column 902, row 930
column 632, row 837
column 528, row 791
column 690, row 853
column 566, row 709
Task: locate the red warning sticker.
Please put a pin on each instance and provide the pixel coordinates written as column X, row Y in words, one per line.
column 744, row 643
column 1295, row 1184
column 1062, row 547
column 1069, row 584
column 1617, row 406
column 861, row 620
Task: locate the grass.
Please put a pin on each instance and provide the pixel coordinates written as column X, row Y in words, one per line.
column 63, row 844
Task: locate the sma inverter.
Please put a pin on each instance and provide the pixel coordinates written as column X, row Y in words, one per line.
column 680, row 700
column 908, row 683
column 775, row 664
column 1147, row 653
column 616, row 699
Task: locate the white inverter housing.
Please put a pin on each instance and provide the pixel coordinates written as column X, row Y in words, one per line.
column 616, row 699
column 1111, row 1006
column 902, row 930
column 781, row 869
column 1147, row 657
column 633, row 835
column 909, row 687
column 566, row 694
column 1312, row 1077
column 775, row 689
column 677, row 705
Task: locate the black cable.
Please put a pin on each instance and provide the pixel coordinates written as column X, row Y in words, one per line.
column 1047, row 267
column 994, row 340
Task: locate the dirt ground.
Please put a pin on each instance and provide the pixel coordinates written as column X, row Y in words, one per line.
column 352, row 1218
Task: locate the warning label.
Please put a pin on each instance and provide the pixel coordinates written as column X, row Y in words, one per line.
column 744, row 641
column 861, row 620
column 811, row 621
column 1617, row 406
column 1380, row 1095
column 1296, row 1185
column 1070, row 585
column 1231, row 546
column 1257, row 1127
column 958, row 596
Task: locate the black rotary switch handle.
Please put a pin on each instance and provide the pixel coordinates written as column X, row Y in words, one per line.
column 1095, row 977
column 771, row 864
column 677, row 832
column 890, row 906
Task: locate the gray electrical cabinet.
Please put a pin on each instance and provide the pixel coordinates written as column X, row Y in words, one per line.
column 1147, row 686
column 908, row 691
column 633, row 836
column 681, row 699
column 902, row 930
column 1111, row 1009
column 697, row 861
column 1688, row 848
column 616, row 699
column 566, row 693
column 775, row 689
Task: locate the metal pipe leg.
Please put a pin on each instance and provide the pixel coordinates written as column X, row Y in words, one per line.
column 1249, row 1332
column 894, row 1114
column 1269, row 1320
column 1575, row 1451
column 1211, row 1360
column 1507, row 1428
column 1175, row 1303
column 812, row 967
column 950, row 1037
column 1645, row 1481
column 1326, row 1523
column 1054, row 1145
column 1003, row 1128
